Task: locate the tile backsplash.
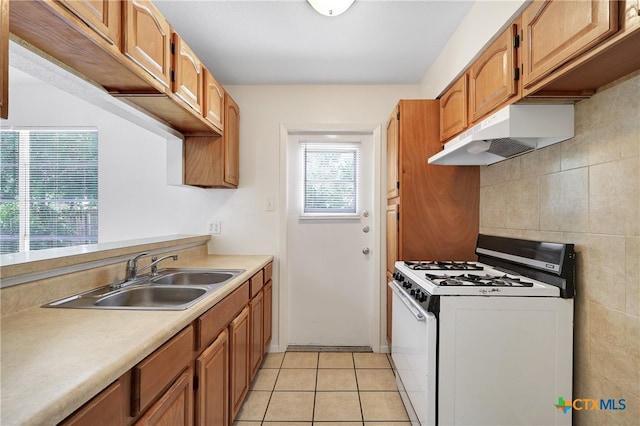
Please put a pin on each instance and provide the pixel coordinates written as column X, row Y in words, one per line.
column 586, row 191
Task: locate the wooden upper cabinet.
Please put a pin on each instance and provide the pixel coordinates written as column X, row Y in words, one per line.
column 557, row 31
column 393, row 179
column 492, row 77
column 231, row 138
column 147, row 39
column 104, row 16
column 213, row 100
column 453, row 109
column 4, row 58
column 187, row 78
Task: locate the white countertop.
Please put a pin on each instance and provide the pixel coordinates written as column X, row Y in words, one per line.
column 54, row 360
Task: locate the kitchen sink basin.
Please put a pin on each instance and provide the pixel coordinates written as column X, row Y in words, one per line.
column 171, row 289
column 152, row 297
column 174, row 276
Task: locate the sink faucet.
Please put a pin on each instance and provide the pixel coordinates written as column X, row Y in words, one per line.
column 132, row 265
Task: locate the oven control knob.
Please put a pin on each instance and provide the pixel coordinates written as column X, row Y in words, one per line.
column 406, row 284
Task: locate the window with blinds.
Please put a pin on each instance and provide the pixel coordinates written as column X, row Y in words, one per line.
column 48, row 189
column 330, row 178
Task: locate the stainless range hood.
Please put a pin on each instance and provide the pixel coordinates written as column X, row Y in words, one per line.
column 514, row 130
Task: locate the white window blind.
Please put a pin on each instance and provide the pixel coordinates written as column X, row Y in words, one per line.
column 48, row 189
column 329, row 178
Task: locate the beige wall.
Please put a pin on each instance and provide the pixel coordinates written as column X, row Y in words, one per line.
column 587, row 191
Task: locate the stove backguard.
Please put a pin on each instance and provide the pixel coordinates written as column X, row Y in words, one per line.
column 552, row 263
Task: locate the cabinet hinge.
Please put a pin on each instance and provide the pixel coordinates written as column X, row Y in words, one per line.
column 172, row 75
column 173, row 48
column 516, row 41
column 398, row 215
column 398, row 184
column 516, row 74
column 398, row 116
column 195, row 382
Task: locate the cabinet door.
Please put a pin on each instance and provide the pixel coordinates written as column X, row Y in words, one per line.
column 239, row 363
column 231, row 142
column 393, row 216
column 268, row 315
column 453, row 109
column 187, row 76
column 492, row 77
column 147, row 39
column 558, row 31
column 393, row 147
column 175, row 407
column 107, row 408
column 4, row 58
column 212, row 370
column 104, row 16
column 257, row 316
column 213, row 100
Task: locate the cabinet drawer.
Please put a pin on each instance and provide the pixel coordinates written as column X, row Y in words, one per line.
column 216, row 319
column 257, row 281
column 158, row 370
column 268, row 272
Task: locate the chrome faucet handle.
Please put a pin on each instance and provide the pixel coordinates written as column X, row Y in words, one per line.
column 132, row 266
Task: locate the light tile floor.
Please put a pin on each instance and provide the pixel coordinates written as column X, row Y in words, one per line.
column 323, row 389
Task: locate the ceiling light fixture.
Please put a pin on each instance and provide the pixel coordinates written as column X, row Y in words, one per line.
column 330, row 7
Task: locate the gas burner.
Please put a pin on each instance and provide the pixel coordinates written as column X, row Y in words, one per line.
column 446, row 266
column 477, row 280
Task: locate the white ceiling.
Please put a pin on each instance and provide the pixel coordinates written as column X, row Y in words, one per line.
column 287, row 42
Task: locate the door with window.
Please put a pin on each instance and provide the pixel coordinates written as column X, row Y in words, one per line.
column 330, row 224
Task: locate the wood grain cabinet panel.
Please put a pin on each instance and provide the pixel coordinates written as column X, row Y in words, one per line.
column 256, row 313
column 147, row 39
column 187, row 78
column 231, row 142
column 213, row 100
column 393, row 180
column 159, row 369
column 175, row 408
column 268, row 316
column 105, row 409
column 239, row 334
column 493, row 76
column 4, row 58
column 212, row 371
column 556, row 32
column 453, row 109
column 103, row 16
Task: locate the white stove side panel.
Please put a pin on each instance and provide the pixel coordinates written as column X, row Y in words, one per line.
column 504, row 360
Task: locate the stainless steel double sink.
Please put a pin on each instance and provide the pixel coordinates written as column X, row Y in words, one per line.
column 169, row 290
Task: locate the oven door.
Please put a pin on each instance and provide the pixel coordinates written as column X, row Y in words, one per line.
column 413, row 350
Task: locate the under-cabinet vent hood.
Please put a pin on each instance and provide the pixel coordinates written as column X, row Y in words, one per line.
column 514, row 130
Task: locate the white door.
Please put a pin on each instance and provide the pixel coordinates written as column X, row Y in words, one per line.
column 329, row 253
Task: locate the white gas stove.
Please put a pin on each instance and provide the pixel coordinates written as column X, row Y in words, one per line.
column 486, row 342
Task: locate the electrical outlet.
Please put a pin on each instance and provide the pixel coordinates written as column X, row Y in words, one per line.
column 215, row 227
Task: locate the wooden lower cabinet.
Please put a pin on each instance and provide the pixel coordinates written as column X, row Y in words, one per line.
column 108, row 408
column 268, row 316
column 239, row 363
column 256, row 309
column 4, row 58
column 175, row 408
column 212, row 395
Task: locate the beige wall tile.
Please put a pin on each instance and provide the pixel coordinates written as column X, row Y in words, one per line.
column 603, row 261
column 564, row 202
column 614, row 197
column 632, row 294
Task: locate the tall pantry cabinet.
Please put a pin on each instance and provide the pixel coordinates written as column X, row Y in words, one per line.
column 432, row 211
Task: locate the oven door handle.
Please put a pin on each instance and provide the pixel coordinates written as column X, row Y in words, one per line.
column 407, row 302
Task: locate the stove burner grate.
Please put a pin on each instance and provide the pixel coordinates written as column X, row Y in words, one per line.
column 443, row 265
column 477, row 280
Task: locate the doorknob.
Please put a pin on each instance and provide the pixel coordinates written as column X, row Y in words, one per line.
column 366, row 250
